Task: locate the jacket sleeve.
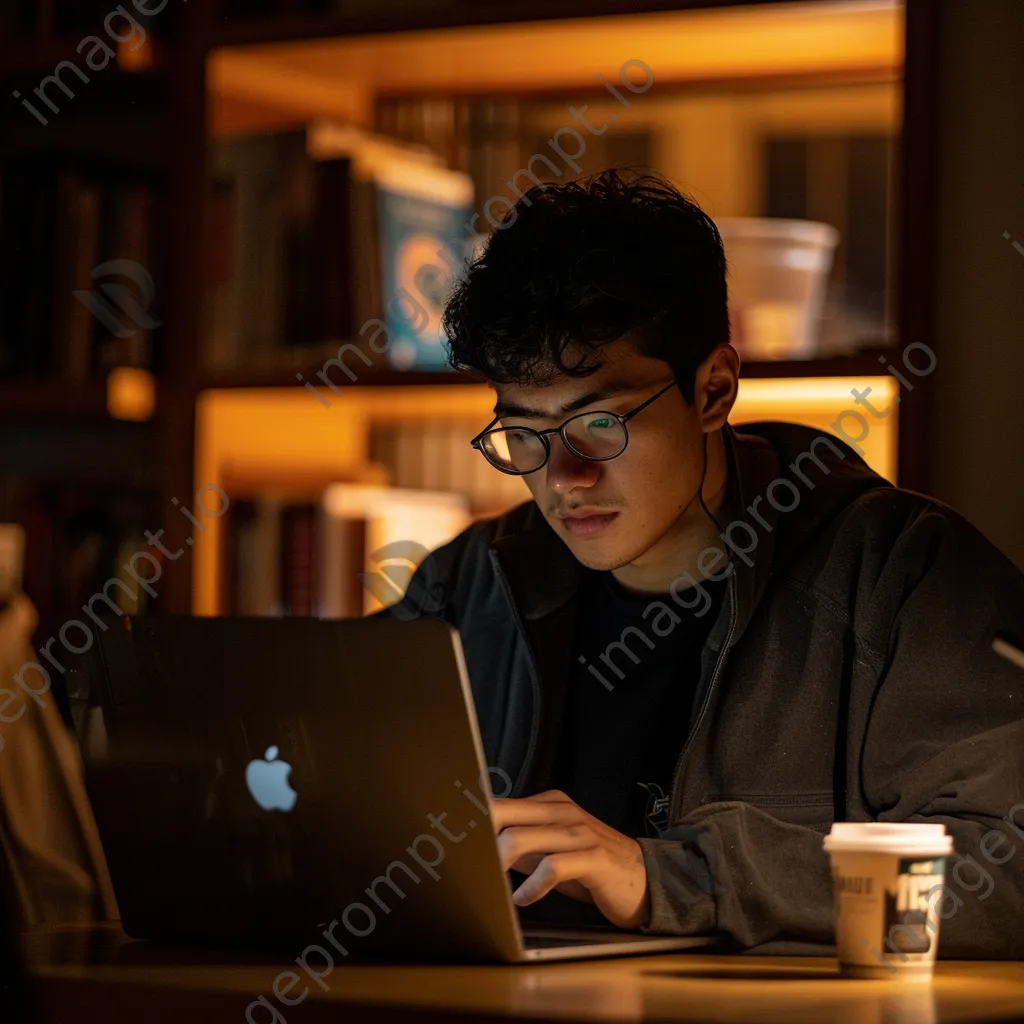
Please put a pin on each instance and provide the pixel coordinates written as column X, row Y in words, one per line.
column 943, row 742
column 731, row 868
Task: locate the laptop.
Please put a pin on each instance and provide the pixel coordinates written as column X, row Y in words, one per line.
column 287, row 783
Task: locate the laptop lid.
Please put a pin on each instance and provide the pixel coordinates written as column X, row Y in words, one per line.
column 266, row 780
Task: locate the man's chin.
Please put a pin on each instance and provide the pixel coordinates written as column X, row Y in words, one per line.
column 593, row 560
column 600, row 556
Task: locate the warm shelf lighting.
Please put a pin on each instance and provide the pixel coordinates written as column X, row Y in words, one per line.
column 829, row 404
column 131, row 394
column 341, row 77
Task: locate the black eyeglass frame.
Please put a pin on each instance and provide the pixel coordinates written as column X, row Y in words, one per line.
column 623, row 418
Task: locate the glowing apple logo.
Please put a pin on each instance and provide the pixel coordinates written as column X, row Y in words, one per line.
column 268, row 782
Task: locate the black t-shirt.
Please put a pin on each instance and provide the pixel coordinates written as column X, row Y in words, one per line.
column 631, row 698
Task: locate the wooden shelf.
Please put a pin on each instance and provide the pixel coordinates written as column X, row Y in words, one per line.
column 419, row 17
column 42, row 399
column 859, row 364
column 284, row 377
column 39, row 56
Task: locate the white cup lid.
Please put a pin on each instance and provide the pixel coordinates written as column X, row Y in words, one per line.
column 888, row 837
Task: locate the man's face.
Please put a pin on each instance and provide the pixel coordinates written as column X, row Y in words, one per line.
column 614, row 513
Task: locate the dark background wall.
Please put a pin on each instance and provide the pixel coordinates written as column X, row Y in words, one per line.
column 977, row 448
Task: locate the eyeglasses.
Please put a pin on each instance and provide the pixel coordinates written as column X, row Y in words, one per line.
column 592, row 436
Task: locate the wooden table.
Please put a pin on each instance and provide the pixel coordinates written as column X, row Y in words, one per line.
column 78, row 983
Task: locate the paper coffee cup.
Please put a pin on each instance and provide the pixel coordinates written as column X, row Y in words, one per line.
column 887, row 879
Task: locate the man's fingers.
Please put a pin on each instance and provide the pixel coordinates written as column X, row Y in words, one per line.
column 557, row 869
column 533, row 811
column 519, row 842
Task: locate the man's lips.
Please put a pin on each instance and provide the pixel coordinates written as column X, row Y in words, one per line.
column 587, row 524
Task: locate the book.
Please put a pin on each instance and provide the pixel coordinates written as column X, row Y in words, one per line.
column 280, row 244
column 422, row 215
column 252, row 562
column 400, row 526
column 28, row 235
column 245, row 299
column 76, row 355
column 122, row 332
column 300, row 564
column 309, row 234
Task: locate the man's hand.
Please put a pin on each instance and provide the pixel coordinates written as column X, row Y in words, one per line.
column 560, row 846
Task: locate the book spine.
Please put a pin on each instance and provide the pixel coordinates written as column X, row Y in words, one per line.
column 237, row 565
column 137, row 347
column 299, row 569
column 106, row 350
column 81, row 325
column 29, row 219
column 334, row 251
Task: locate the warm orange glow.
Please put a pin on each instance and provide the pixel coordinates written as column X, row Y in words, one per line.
column 341, row 77
column 136, row 52
column 827, row 404
column 131, row 394
column 287, row 431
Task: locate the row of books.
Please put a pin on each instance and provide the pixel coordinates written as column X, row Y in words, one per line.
column 437, row 456
column 80, row 283
column 344, row 554
column 314, row 233
column 347, row 549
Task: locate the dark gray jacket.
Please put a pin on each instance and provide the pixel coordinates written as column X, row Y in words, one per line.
column 849, row 676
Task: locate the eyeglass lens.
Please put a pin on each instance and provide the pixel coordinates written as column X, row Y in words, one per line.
column 592, row 435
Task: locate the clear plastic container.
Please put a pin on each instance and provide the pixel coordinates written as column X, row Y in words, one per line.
column 777, row 272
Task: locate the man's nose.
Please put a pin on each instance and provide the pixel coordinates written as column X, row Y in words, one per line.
column 567, row 471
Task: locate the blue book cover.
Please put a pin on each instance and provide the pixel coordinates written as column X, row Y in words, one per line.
column 423, row 216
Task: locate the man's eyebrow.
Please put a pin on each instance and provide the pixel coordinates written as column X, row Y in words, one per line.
column 609, row 389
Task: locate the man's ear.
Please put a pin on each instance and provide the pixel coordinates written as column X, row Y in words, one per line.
column 718, row 384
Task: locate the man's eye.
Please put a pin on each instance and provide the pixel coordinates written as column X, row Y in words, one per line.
column 601, row 423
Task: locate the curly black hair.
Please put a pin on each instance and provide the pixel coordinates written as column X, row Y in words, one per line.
column 587, row 262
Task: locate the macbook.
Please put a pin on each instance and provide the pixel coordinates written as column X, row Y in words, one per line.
column 283, row 783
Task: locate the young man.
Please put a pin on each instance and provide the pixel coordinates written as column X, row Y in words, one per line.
column 697, row 646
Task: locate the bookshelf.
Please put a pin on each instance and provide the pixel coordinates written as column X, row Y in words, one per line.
column 87, row 174
column 158, row 115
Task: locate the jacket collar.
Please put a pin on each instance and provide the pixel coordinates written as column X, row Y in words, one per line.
column 544, row 575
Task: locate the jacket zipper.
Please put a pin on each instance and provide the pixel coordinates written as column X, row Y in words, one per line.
column 677, row 776
column 531, row 746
